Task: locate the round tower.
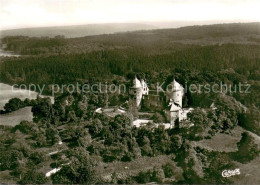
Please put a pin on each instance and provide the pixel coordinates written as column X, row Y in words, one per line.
column 137, row 91
column 176, row 92
column 174, row 112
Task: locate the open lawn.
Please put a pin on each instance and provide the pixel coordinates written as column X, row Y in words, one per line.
column 228, row 143
column 250, row 172
column 143, row 164
column 14, row 118
column 221, row 142
column 6, row 178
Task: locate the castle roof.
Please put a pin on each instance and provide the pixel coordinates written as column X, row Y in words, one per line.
column 137, row 83
column 174, row 107
column 143, row 83
column 176, row 86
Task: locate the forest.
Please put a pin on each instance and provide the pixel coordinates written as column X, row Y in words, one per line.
column 93, row 143
column 199, row 48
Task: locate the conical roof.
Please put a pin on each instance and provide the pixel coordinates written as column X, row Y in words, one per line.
column 143, row 83
column 174, row 107
column 176, row 86
column 137, row 83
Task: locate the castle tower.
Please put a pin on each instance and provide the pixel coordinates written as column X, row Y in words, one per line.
column 176, row 92
column 145, row 88
column 137, row 91
column 175, row 111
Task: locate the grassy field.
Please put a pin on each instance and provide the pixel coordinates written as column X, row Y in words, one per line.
column 228, row 143
column 143, row 164
column 250, row 171
column 7, row 92
column 221, row 142
column 14, row 118
column 6, row 178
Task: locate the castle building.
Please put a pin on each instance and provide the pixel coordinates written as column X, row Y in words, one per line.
column 175, row 93
column 138, row 90
column 171, row 98
column 145, row 88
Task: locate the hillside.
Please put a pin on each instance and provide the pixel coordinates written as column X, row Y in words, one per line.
column 242, row 33
column 90, row 147
column 152, row 41
column 76, row 31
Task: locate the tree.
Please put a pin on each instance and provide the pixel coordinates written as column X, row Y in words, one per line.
column 114, row 100
column 95, row 127
column 78, row 171
column 33, row 177
column 43, row 109
column 25, row 127
column 28, row 102
column 75, row 135
column 10, row 159
column 85, row 141
column 176, row 143
column 247, row 149
column 169, row 170
column 146, row 148
column 37, row 157
column 177, row 123
column 123, row 121
column 71, row 116
column 157, row 175
column 217, row 163
column 143, row 177
column 250, row 120
column 52, row 135
column 157, row 118
column 40, row 139
column 200, row 120
column 13, row 105
column 185, row 101
column 132, row 108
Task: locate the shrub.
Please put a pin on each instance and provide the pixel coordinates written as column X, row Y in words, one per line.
column 247, row 149
column 168, row 170
column 13, row 105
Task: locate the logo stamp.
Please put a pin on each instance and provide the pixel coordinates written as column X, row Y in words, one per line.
column 229, row 173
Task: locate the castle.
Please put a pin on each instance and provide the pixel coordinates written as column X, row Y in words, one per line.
column 170, row 98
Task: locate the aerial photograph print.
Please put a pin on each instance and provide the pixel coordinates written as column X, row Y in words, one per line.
column 130, row 92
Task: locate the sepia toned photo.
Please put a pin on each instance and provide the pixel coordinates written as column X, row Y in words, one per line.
column 130, row 92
